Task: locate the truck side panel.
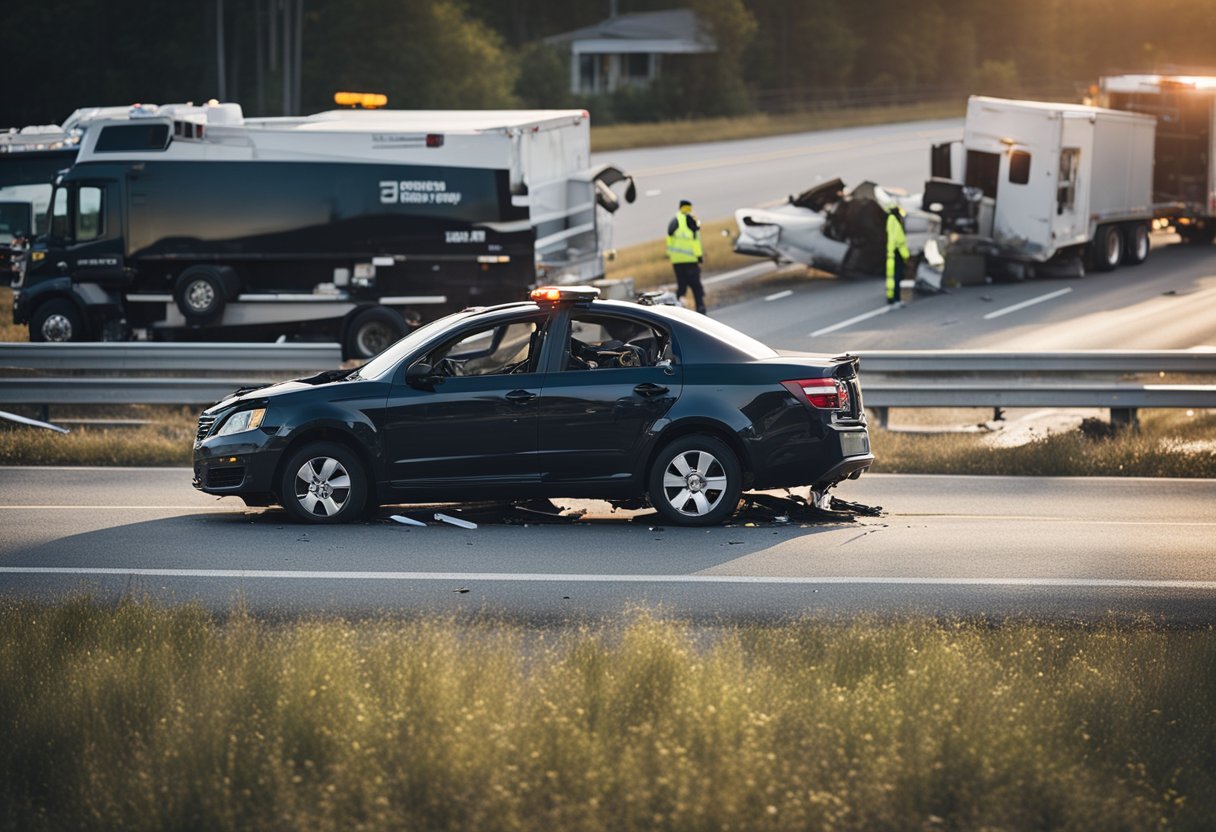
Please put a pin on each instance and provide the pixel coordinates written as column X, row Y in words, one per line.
column 1122, row 170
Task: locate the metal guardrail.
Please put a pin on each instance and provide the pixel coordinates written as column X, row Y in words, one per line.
column 1071, row 362
column 890, row 378
column 170, row 357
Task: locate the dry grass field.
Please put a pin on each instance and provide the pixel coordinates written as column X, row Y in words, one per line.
column 142, row 717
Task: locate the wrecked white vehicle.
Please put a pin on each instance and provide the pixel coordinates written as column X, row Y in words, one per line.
column 839, row 233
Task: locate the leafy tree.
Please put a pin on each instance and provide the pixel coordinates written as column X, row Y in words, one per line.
column 423, row 54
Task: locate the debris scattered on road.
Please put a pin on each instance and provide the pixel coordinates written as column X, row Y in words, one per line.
column 406, row 521
column 454, row 521
column 769, row 508
column 461, row 590
column 34, row 423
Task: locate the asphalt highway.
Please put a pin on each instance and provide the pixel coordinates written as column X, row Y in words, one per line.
column 967, row 546
column 1169, row 302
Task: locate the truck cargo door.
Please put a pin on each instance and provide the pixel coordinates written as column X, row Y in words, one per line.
column 1069, row 224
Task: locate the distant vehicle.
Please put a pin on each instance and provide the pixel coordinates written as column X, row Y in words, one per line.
column 840, row 232
column 1036, row 187
column 561, row 396
column 187, row 223
column 1184, row 160
column 16, row 228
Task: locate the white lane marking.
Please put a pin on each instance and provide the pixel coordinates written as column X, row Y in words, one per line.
column 1018, row 306
column 545, row 577
column 778, row 295
column 856, row 319
column 653, row 192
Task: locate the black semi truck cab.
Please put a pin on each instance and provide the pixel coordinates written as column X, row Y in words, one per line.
column 350, row 226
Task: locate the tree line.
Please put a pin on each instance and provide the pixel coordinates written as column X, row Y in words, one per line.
column 771, row 54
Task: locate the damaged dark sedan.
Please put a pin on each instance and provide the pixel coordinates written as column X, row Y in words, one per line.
column 564, row 395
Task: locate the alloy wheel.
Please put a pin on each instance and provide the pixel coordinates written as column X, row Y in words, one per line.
column 322, row 486
column 694, row 483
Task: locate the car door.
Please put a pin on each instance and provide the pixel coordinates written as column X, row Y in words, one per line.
column 474, row 426
column 616, row 375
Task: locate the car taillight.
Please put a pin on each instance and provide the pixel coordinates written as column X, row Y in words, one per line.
column 820, row 393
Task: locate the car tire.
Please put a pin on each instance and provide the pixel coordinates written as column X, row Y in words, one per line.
column 57, row 320
column 1135, row 244
column 695, row 481
column 372, row 331
column 1107, row 248
column 323, row 482
column 201, row 293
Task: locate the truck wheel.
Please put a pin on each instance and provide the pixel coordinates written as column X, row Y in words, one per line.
column 200, row 294
column 1107, row 248
column 695, row 481
column 323, row 482
column 57, row 320
column 372, row 331
column 1135, row 244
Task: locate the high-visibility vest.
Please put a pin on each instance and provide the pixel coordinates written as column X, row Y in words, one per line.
column 897, row 240
column 684, row 244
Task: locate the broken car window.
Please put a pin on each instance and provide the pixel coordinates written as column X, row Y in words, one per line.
column 607, row 342
column 510, row 347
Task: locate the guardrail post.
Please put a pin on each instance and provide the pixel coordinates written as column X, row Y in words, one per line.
column 1123, row 418
column 880, row 416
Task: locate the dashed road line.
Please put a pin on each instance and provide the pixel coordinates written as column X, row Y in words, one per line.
column 1033, row 301
column 882, row 310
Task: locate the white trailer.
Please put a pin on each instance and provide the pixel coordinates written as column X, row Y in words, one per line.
column 1037, row 186
column 1184, row 163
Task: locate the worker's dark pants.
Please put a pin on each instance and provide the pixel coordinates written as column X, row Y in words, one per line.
column 688, row 276
column 894, row 279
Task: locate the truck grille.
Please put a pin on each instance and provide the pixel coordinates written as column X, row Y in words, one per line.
column 205, row 424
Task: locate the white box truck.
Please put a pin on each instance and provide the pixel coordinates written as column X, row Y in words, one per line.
column 1184, row 163
column 193, row 223
column 1036, row 188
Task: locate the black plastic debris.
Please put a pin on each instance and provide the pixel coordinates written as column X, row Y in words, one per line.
column 770, row 508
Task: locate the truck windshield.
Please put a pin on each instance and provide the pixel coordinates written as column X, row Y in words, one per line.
column 59, row 213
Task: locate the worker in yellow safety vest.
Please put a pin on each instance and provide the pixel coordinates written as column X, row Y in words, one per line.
column 897, row 253
column 685, row 253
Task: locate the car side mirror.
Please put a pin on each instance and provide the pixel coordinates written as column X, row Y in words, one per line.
column 422, row 376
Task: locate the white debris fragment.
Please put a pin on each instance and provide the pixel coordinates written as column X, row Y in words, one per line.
column 406, row 521
column 455, row 521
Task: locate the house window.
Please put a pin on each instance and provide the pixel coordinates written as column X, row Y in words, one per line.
column 587, row 74
column 637, row 66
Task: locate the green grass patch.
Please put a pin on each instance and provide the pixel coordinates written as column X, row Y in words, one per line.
column 660, row 134
column 142, row 717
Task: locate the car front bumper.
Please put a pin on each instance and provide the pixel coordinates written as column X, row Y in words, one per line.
column 239, row 464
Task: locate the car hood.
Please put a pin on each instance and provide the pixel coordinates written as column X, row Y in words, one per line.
column 281, row 388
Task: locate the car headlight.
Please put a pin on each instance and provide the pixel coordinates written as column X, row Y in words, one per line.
column 242, row 420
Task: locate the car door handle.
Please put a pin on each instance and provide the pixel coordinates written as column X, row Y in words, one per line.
column 649, row 389
column 520, row 396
